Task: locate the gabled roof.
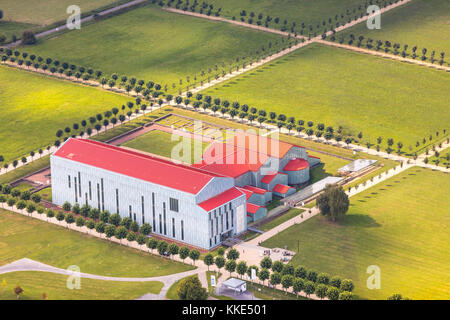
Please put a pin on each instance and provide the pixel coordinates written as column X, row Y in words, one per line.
column 269, row 177
column 252, row 208
column 220, row 199
column 281, row 188
column 134, row 164
column 256, row 190
column 296, row 165
column 247, row 193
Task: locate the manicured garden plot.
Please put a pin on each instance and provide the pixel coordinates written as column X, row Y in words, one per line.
column 32, row 115
column 21, row 236
column 398, row 225
column 420, row 23
column 152, row 44
column 54, row 286
column 348, row 89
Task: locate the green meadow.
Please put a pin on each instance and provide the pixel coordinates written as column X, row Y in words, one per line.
column 361, row 93
column 421, row 23
column 35, row 106
column 399, row 225
column 24, row 237
column 152, row 44
column 54, row 286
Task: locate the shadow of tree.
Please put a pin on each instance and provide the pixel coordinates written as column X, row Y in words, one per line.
column 359, row 220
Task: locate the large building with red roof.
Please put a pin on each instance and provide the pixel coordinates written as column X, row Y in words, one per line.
column 202, row 204
column 182, row 203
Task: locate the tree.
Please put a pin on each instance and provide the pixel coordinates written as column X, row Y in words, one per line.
column 131, row 236
column 333, row 202
column 241, row 268
column 335, row 282
column 194, row 255
column 266, row 263
column 110, row 231
column 60, row 216
column 18, row 291
column 277, row 266
column 309, row 288
column 80, row 222
column 66, row 206
column 287, row 281
column 275, row 278
column 152, row 243
column 312, row 275
column 162, row 247
column 190, row 288
column 121, row 233
column 321, row 290
column 115, row 219
column 184, row 253
column 230, row 266
column 345, row 295
column 69, row 218
column 347, row 285
column 28, row 38
column 332, row 293
column 173, row 249
column 233, row 254
column 298, row 285
column 219, row 261
column 208, row 260
column 323, row 278
column 145, row 229
column 264, row 274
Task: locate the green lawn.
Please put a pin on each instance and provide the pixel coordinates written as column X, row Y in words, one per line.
column 32, row 114
column 300, row 11
column 398, row 225
column 151, row 44
column 329, row 166
column 281, row 219
column 266, row 293
column 160, row 143
column 54, row 286
column 341, row 88
column 24, row 237
column 24, row 15
column 172, row 293
column 419, row 23
column 23, row 186
column 46, row 194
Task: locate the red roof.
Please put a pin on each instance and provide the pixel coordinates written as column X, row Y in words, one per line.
column 256, row 190
column 281, row 188
column 296, row 165
column 248, row 193
column 220, row 199
column 269, row 177
column 252, row 208
column 134, row 164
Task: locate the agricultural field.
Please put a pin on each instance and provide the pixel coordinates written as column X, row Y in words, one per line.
column 160, row 143
column 22, row 15
column 299, row 11
column 348, row 89
column 22, row 237
column 397, row 225
column 152, row 44
column 32, row 116
column 35, row 284
column 420, row 23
